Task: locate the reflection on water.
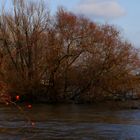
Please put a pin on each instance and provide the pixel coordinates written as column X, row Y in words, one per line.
column 70, row 122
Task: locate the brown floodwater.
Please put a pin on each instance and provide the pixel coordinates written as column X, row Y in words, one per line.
column 69, row 122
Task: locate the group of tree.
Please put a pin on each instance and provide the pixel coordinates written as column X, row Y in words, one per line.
column 64, row 57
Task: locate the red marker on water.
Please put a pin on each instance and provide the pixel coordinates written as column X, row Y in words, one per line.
column 33, row 124
column 7, row 103
column 29, row 106
column 17, row 97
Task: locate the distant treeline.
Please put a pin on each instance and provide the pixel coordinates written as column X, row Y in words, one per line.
column 63, row 57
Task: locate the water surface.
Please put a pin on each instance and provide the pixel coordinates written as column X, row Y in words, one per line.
column 69, row 122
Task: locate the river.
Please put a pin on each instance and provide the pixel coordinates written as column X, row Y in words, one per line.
column 69, row 122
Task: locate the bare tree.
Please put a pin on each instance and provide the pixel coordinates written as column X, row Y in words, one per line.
column 63, row 57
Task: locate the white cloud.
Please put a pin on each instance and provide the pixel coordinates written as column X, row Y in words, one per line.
column 106, row 9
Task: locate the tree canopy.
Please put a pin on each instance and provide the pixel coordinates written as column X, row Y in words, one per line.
column 63, row 57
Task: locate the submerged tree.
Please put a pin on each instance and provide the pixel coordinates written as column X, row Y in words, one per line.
column 64, row 57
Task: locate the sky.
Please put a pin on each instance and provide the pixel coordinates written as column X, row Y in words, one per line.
column 124, row 14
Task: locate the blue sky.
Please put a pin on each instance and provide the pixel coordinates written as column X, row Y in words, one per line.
column 124, row 14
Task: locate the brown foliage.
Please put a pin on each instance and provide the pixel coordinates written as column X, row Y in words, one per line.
column 63, row 57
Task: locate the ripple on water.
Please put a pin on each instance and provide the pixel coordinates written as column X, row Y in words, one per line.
column 80, row 123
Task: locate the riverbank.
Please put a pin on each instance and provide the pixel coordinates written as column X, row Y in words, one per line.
column 128, row 104
column 109, row 105
column 133, row 103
